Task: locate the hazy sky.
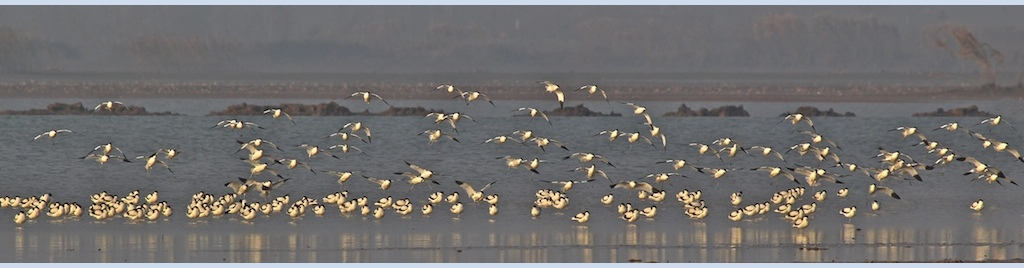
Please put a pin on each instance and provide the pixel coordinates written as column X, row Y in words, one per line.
column 170, row 39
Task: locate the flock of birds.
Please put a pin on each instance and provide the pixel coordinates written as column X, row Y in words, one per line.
column 792, row 203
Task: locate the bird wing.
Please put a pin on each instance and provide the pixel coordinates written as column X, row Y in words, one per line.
column 598, row 171
column 977, row 135
column 1014, row 152
column 779, row 155
column 235, row 185
column 374, row 180
column 286, row 115
column 381, row 99
column 887, row 191
column 276, row 183
column 602, row 159
column 621, row 184
column 467, row 187
column 789, row 176
column 417, row 168
column 488, row 185
column 645, row 186
column 470, row 118
column 367, row 131
column 487, row 99
column 545, row 116
column 647, row 140
column 122, row 153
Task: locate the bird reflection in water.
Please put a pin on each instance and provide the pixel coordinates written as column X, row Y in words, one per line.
column 849, row 233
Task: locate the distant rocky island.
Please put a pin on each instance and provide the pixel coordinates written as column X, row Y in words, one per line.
column 815, row 112
column 577, row 110
column 955, row 112
column 723, row 111
column 322, row 109
column 77, row 108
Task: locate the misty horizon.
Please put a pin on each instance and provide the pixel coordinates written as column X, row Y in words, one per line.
column 503, row 39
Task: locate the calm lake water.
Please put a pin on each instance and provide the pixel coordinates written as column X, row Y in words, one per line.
column 931, row 222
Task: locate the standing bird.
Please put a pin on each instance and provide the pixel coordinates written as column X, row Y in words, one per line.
column 367, row 96
column 593, row 89
column 978, row 205
column 582, row 217
column 848, row 212
column 456, row 209
column 276, row 113
column 842, row 193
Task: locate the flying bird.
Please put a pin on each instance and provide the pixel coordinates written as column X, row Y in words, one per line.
column 367, row 96
column 795, row 118
column 52, row 133
column 277, row 113
column 640, row 110
column 533, row 112
column 592, row 89
column 470, row 96
column 550, row 87
column 110, row 105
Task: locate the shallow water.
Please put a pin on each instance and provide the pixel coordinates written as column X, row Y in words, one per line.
column 931, row 222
